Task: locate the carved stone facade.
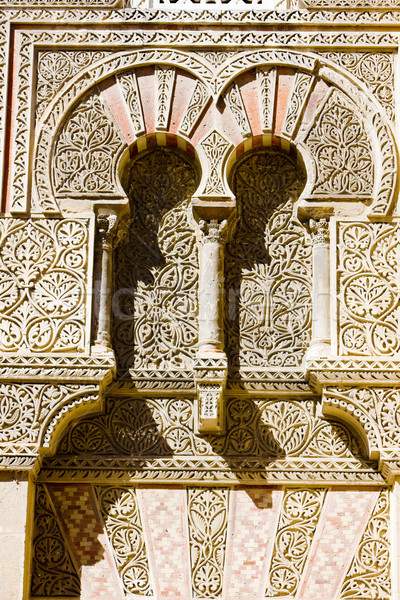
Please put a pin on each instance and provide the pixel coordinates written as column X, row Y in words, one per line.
column 199, row 300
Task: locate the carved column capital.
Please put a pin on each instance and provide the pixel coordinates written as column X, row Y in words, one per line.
column 212, row 230
column 319, row 231
column 106, row 228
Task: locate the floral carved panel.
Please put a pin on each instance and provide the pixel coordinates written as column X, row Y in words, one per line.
column 123, row 524
column 54, row 573
column 154, row 438
column 369, row 575
column 267, row 266
column 341, row 150
column 157, row 266
column 55, row 68
column 369, row 289
column 301, row 509
column 208, row 513
column 43, row 285
column 86, row 151
column 374, row 69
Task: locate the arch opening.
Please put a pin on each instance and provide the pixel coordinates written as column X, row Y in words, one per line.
column 267, row 264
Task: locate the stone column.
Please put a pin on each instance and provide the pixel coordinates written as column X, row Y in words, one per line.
column 106, row 228
column 320, row 345
column 211, row 288
column 211, row 363
column 16, row 519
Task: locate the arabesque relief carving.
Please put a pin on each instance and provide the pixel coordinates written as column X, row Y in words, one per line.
column 369, row 575
column 208, row 510
column 342, row 151
column 267, row 266
column 121, row 517
column 86, row 151
column 209, row 125
column 301, row 509
column 44, row 269
column 264, row 438
column 53, row 570
column 155, row 322
column 369, row 291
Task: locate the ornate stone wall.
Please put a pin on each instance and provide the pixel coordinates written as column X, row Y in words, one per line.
column 199, row 300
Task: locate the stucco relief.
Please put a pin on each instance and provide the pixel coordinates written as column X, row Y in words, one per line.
column 191, row 97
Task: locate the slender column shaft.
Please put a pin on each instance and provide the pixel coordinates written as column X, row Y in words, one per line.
column 106, row 231
column 321, row 293
column 211, row 285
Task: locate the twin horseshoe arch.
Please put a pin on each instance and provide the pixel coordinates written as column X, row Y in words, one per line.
column 271, row 97
column 259, row 99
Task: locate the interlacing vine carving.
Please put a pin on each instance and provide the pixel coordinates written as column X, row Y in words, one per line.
column 369, row 289
column 157, row 265
column 43, row 277
column 53, row 571
column 341, row 150
column 374, row 69
column 56, row 68
column 121, row 516
column 87, row 150
column 300, row 512
column 369, row 575
column 267, row 265
column 208, row 512
column 159, row 433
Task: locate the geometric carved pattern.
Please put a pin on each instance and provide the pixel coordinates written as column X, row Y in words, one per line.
column 369, row 289
column 341, row 150
column 56, row 68
column 86, row 151
column 368, row 577
column 124, row 529
column 157, row 265
column 53, row 572
column 208, row 512
column 267, row 265
column 300, row 512
column 43, row 277
column 374, row 69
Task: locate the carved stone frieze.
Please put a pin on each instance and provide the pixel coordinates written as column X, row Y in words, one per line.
column 265, row 439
